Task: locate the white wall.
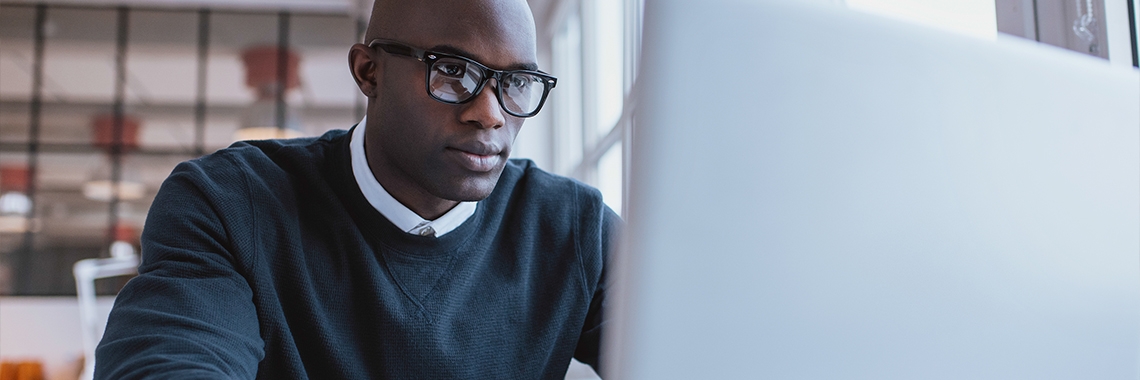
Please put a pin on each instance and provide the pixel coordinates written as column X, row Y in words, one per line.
column 974, row 17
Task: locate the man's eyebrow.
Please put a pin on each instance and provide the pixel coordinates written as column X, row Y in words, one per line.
column 448, row 49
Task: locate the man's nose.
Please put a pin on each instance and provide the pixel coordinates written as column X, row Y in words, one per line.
column 484, row 110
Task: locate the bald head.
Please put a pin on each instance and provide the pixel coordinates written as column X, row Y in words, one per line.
column 492, row 26
column 427, row 152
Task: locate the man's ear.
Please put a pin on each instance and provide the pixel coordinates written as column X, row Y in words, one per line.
column 363, row 69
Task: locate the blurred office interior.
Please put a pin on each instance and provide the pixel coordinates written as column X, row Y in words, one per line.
column 100, row 99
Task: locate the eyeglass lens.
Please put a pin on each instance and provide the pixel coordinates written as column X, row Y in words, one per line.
column 455, row 80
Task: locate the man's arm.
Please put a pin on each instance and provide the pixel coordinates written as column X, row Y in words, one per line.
column 189, row 313
column 589, row 343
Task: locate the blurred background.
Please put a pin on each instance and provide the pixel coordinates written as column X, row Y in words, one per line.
column 100, row 99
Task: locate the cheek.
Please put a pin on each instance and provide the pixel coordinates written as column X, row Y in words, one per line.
column 409, row 118
column 513, row 134
column 416, row 141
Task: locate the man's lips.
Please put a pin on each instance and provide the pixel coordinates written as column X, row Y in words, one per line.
column 478, row 148
column 483, row 158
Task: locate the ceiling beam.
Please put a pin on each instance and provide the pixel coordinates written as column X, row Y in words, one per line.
column 300, row 6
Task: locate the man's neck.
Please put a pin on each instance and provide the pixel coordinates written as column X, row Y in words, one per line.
column 411, row 196
column 421, row 203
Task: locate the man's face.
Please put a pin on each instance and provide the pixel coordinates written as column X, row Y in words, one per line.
column 453, row 152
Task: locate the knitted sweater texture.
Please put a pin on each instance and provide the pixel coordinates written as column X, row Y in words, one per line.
column 264, row 260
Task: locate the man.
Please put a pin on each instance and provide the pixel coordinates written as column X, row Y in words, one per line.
column 407, row 247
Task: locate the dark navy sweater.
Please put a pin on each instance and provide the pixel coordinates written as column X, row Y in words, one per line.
column 265, row 260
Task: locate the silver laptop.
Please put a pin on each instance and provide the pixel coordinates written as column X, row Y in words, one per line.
column 822, row 194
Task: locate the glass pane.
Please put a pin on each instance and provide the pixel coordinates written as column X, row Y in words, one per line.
column 1070, row 25
column 610, row 177
column 73, row 213
column 14, row 204
column 79, row 72
column 328, row 93
column 73, row 221
column 16, row 67
column 68, row 218
column 227, row 93
column 66, row 227
column 14, row 123
column 566, row 99
column 609, row 45
column 162, row 64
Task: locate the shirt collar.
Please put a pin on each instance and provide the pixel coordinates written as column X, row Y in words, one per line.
column 404, row 218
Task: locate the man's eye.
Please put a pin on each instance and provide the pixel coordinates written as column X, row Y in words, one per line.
column 453, row 70
column 518, row 81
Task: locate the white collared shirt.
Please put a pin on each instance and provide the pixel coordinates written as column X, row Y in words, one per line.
column 400, row 215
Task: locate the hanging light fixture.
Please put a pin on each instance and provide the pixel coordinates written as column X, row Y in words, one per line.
column 102, row 187
column 264, row 119
column 104, row 190
column 14, row 201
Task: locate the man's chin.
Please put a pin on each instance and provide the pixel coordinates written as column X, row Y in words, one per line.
column 473, row 189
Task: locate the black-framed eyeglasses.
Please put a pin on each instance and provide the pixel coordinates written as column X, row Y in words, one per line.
column 455, row 79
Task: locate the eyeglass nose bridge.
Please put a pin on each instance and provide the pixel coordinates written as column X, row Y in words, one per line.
column 498, row 91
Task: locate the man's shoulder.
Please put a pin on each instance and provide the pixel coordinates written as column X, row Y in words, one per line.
column 262, row 156
column 254, row 151
column 259, row 163
column 522, row 178
column 522, row 170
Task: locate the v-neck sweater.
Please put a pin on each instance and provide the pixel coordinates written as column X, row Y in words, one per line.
column 264, row 260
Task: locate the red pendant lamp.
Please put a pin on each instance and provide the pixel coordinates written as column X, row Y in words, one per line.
column 260, row 120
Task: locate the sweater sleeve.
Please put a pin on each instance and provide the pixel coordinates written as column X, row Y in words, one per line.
column 189, row 314
column 589, row 343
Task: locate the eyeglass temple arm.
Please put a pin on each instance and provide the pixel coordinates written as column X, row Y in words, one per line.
column 398, row 49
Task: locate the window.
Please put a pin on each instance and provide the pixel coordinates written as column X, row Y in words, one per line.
column 594, row 53
column 172, row 83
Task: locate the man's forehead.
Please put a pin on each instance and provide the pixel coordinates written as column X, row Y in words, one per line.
column 495, row 32
column 456, row 50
